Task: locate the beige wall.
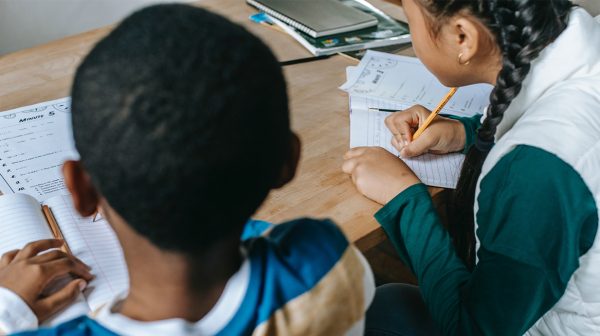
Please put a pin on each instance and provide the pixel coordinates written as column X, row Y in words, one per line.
column 25, row 23
column 593, row 6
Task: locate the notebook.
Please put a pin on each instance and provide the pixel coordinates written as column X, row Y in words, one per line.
column 396, row 82
column 316, row 18
column 93, row 241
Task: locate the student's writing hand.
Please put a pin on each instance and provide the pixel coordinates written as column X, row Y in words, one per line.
column 443, row 135
column 378, row 174
column 27, row 273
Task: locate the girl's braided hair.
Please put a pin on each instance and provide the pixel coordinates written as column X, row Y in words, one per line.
column 521, row 29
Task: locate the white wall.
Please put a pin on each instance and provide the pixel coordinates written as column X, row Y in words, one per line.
column 26, row 23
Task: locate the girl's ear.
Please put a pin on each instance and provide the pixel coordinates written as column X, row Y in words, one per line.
column 288, row 171
column 78, row 182
column 466, row 37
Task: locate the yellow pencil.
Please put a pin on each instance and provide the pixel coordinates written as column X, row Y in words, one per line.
column 434, row 113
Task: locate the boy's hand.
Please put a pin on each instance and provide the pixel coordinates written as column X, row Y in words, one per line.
column 27, row 273
column 377, row 173
column 443, row 135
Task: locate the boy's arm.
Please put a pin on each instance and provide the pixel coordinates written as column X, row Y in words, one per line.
column 15, row 314
column 369, row 292
column 308, row 265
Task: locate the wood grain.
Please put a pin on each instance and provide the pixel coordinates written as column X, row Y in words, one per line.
column 319, row 112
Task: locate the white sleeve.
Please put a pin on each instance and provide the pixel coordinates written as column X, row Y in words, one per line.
column 369, row 287
column 15, row 314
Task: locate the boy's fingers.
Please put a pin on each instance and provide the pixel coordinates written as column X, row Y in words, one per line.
column 61, row 298
column 34, row 248
column 60, row 267
column 8, row 257
column 48, row 256
column 56, row 254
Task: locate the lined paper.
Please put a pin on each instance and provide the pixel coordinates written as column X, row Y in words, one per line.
column 367, row 128
column 21, row 222
column 96, row 244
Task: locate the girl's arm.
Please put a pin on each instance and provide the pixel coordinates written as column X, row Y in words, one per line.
column 533, row 228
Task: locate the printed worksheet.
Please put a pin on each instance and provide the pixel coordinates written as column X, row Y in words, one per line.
column 34, row 142
column 406, row 81
column 367, row 128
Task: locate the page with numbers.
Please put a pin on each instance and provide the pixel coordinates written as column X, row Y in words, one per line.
column 34, row 142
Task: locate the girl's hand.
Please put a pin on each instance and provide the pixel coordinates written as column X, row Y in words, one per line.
column 378, row 174
column 28, row 274
column 443, row 135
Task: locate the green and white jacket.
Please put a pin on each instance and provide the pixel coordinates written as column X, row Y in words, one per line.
column 536, row 210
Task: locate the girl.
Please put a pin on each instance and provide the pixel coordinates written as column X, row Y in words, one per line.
column 527, row 199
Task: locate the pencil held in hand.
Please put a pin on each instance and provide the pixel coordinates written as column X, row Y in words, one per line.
column 434, row 113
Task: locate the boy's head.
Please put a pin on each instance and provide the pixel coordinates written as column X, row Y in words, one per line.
column 181, row 121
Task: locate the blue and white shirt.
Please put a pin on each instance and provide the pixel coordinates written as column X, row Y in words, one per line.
column 298, row 278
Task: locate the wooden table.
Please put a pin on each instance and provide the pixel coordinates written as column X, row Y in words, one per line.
column 319, row 112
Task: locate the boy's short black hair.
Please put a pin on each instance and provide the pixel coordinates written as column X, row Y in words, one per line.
column 181, row 120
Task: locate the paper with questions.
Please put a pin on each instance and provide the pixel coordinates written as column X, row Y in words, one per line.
column 34, row 142
column 406, row 81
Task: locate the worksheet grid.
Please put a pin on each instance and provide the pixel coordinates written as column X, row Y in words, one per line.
column 435, row 170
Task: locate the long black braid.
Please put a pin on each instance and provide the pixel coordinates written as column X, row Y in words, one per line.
column 522, row 29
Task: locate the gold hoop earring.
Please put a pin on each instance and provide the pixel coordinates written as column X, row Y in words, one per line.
column 460, row 61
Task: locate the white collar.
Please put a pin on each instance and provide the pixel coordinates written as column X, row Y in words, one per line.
column 212, row 323
column 573, row 54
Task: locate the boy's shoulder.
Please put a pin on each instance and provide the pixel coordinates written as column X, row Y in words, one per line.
column 297, row 242
column 305, row 278
column 81, row 326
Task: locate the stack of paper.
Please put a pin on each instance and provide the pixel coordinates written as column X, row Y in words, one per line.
column 397, row 82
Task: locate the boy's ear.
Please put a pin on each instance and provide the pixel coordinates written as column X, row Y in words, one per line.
column 288, row 171
column 78, row 182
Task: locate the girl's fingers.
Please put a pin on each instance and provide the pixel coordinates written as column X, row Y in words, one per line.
column 355, row 152
column 418, row 147
column 348, row 166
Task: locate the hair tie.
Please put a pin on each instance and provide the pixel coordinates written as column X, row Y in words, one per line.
column 483, row 145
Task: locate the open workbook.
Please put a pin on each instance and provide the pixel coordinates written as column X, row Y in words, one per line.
column 91, row 240
column 386, row 81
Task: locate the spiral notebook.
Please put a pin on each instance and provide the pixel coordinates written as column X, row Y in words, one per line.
column 316, row 18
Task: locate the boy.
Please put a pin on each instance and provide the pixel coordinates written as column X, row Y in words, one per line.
column 180, row 118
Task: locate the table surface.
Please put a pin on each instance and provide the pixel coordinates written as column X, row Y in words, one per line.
column 319, row 114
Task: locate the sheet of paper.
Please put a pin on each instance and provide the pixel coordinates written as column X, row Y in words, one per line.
column 97, row 245
column 405, row 80
column 22, row 222
column 34, row 142
column 367, row 128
